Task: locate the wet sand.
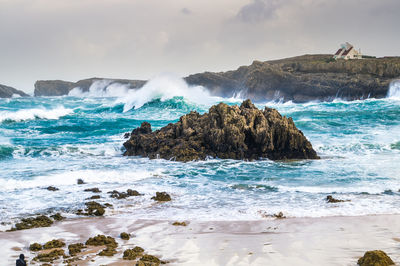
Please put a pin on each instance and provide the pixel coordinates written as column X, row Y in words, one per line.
column 292, row 241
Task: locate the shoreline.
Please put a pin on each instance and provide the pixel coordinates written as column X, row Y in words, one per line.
column 338, row 240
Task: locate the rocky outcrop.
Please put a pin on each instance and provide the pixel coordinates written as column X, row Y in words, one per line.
column 304, row 78
column 375, row 258
column 227, row 132
column 8, row 92
column 60, row 87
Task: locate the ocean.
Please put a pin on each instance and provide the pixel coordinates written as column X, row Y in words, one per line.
column 53, row 141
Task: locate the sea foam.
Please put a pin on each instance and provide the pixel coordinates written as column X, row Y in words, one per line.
column 35, row 113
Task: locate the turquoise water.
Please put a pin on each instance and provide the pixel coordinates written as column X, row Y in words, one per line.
column 56, row 140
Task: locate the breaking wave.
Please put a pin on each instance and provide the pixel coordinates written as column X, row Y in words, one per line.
column 394, row 89
column 35, row 113
column 163, row 87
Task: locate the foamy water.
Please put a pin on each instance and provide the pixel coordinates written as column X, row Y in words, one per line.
column 56, row 140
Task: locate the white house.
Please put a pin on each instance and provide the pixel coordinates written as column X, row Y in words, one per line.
column 346, row 52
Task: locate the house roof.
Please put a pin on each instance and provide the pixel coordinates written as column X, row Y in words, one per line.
column 339, row 51
column 347, row 51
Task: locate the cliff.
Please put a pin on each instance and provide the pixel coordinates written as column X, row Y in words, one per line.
column 8, row 92
column 305, row 78
column 60, row 87
column 226, row 132
column 300, row 79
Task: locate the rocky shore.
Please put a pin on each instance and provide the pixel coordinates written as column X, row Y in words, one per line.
column 299, row 79
column 227, row 132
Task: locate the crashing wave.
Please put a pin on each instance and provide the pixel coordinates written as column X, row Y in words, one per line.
column 394, row 89
column 35, row 113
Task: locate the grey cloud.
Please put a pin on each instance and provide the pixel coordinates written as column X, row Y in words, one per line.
column 258, row 10
column 186, row 11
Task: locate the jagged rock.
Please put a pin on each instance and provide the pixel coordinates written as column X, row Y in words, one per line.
column 375, row 258
column 122, row 195
column 51, row 188
column 227, row 132
column 125, row 236
column 108, row 251
column 331, row 199
column 74, row 249
column 35, row 247
column 28, row 223
column 94, row 190
column 53, row 244
column 161, row 196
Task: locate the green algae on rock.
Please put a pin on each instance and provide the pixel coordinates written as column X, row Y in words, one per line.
column 74, row 249
column 35, row 247
column 161, row 196
column 132, row 254
column 125, row 236
column 33, row 222
column 179, row 224
column 50, row 256
column 101, row 240
column 53, row 244
column 108, row 251
column 375, row 258
column 57, row 217
column 331, row 199
column 226, row 132
column 92, row 208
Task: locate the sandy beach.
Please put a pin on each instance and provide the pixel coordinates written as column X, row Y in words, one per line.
column 291, row 241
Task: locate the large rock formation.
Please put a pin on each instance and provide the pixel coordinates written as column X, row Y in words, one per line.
column 299, row 79
column 233, row 132
column 305, row 78
column 8, row 92
column 60, row 87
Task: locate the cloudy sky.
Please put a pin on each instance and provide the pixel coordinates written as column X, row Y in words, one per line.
column 137, row 39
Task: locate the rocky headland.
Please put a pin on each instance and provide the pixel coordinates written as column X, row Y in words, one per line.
column 8, row 92
column 60, row 87
column 299, row 79
column 227, row 132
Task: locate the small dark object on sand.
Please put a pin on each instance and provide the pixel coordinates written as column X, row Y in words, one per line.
column 162, row 196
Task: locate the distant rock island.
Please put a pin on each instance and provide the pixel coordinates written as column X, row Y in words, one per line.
column 226, row 132
column 298, row 79
column 8, row 92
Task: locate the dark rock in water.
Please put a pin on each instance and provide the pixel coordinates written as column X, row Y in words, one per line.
column 94, row 197
column 51, row 188
column 80, row 181
column 227, row 132
column 57, row 217
column 28, row 223
column 53, row 244
column 74, row 249
column 375, row 258
column 35, row 247
column 122, row 195
column 134, row 193
column 279, row 215
column 331, row 199
column 92, row 208
column 162, row 196
column 125, row 236
column 127, row 135
column 94, row 190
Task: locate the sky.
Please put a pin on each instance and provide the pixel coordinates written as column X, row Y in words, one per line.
column 138, row 39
